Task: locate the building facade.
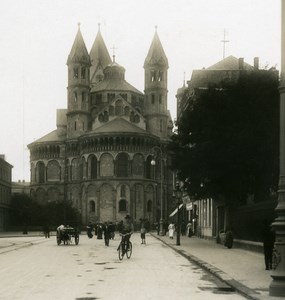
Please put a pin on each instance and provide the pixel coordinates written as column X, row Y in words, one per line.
column 99, row 157
column 5, row 191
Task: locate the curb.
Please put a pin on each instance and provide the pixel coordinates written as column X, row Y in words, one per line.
column 224, row 277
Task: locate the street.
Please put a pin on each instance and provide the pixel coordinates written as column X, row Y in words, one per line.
column 91, row 270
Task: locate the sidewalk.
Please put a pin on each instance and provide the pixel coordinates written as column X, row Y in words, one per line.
column 241, row 269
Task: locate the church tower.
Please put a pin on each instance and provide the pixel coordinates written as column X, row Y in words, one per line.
column 156, row 65
column 78, row 89
column 100, row 59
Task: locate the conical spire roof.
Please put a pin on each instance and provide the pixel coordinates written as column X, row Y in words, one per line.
column 156, row 54
column 78, row 51
column 99, row 53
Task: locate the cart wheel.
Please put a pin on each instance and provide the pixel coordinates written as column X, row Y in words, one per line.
column 76, row 239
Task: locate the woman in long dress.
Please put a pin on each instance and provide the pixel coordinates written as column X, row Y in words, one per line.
column 171, row 229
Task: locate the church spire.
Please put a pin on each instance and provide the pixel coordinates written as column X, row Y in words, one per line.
column 100, row 58
column 156, row 54
column 78, row 52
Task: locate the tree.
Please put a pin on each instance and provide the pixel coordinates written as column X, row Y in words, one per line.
column 227, row 139
column 26, row 212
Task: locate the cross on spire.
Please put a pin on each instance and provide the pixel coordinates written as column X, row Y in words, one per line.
column 224, row 41
column 114, row 48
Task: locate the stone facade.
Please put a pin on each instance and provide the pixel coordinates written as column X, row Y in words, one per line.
column 99, row 157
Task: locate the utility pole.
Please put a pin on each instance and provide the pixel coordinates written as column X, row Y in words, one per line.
column 277, row 286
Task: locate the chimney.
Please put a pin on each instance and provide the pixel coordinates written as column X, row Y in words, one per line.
column 256, row 63
column 240, row 63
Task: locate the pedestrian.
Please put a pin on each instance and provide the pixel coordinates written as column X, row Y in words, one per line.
column 89, row 229
column 46, row 231
column 112, row 230
column 106, row 231
column 189, row 229
column 99, row 231
column 143, row 232
column 268, row 237
column 171, row 229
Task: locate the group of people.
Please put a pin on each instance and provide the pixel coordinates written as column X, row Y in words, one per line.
column 107, row 230
column 185, row 229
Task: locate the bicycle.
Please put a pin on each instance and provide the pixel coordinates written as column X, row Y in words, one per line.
column 123, row 247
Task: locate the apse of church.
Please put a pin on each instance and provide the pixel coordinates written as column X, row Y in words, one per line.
column 99, row 157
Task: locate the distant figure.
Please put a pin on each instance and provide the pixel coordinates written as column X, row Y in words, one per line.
column 143, row 232
column 189, row 229
column 107, row 235
column 171, row 229
column 89, row 229
column 268, row 236
column 99, row 231
column 46, row 231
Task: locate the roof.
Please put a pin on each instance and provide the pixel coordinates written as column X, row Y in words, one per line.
column 50, row 137
column 119, row 125
column 99, row 54
column 78, row 52
column 230, row 63
column 114, row 85
column 156, row 54
column 227, row 69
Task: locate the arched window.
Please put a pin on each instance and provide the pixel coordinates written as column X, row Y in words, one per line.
column 91, row 206
column 149, row 206
column 122, row 165
column 122, row 205
column 40, row 172
column 92, row 167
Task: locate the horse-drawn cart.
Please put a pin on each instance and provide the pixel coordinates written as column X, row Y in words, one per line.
column 67, row 235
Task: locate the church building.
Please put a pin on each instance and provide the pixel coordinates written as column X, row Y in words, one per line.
column 107, row 155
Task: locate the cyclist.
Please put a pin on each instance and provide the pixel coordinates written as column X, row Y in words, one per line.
column 127, row 227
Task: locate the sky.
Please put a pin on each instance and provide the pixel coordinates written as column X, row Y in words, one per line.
column 36, row 37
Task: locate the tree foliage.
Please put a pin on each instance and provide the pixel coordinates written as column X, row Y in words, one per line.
column 25, row 211
column 228, row 139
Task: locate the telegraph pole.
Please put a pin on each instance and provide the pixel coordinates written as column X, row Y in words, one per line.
column 277, row 286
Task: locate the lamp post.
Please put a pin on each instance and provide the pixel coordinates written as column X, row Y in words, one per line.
column 277, row 286
column 153, row 163
column 177, row 194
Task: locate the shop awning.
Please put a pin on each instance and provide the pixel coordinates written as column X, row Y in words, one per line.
column 175, row 210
